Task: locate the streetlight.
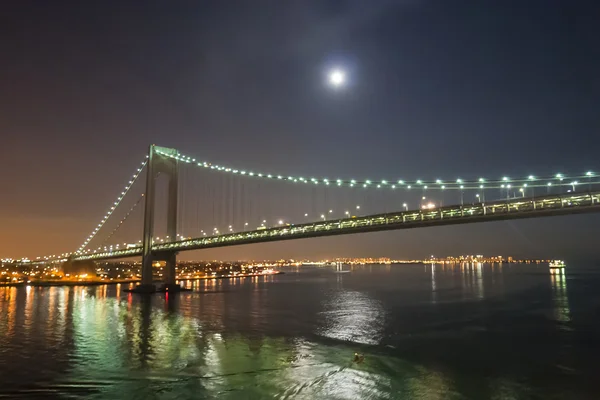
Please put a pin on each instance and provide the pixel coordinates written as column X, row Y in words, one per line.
column 477, row 196
column 522, row 192
column 442, row 202
column 347, row 214
column 245, row 226
column 573, row 184
column 323, row 217
column 405, row 206
column 280, row 222
column 589, row 174
column 560, row 178
column 482, row 192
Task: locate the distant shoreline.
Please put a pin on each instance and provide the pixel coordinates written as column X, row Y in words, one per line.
column 123, row 281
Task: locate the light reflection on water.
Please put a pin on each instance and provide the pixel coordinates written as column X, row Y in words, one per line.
column 429, row 332
column 352, row 316
column 559, row 294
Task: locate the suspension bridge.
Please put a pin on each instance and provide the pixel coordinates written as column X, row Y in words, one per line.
column 191, row 204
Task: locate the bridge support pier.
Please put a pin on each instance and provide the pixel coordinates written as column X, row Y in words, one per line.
column 159, row 162
column 169, row 274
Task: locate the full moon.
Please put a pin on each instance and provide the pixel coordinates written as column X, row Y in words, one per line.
column 337, row 77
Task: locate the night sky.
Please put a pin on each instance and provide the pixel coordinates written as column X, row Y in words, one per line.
column 436, row 89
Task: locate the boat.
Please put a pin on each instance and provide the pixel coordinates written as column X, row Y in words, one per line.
column 557, row 264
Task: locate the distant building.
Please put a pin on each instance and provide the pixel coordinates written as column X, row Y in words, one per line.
column 79, row 268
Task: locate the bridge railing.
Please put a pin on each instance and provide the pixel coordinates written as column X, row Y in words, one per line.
column 396, row 220
column 512, row 208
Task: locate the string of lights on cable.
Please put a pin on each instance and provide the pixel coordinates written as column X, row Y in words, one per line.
column 114, row 206
column 439, row 184
column 122, row 221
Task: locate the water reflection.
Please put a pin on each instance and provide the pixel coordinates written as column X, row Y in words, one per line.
column 431, row 332
column 433, row 285
column 10, row 304
column 353, row 316
column 470, row 281
column 558, row 282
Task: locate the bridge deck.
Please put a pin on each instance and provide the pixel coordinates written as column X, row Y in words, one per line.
column 456, row 214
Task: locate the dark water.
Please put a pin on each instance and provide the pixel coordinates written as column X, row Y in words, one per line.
column 490, row 332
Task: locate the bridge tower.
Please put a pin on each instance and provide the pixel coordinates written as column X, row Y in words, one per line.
column 159, row 162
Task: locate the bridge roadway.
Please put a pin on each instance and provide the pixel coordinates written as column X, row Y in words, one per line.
column 551, row 205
